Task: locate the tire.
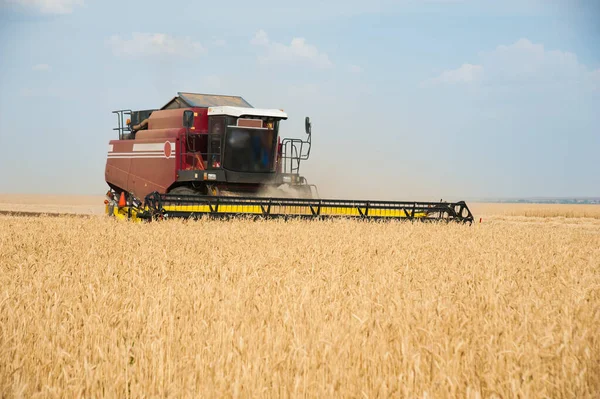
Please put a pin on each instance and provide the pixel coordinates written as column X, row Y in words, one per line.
column 183, row 190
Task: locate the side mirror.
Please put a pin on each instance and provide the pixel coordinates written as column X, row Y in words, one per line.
column 188, row 118
column 307, row 125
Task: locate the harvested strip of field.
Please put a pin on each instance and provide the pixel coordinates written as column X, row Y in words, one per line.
column 94, row 307
column 52, row 204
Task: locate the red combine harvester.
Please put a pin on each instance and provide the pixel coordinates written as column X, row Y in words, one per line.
column 205, row 145
column 216, row 155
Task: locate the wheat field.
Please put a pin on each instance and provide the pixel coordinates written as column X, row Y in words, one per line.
column 94, row 307
column 537, row 210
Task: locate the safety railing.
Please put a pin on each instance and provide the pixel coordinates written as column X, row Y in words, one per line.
column 123, row 128
column 293, row 151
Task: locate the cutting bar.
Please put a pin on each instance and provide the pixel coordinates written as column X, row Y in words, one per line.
column 192, row 206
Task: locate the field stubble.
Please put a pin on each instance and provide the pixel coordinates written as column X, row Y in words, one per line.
column 94, row 307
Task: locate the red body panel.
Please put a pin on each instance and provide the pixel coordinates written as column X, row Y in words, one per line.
column 173, row 118
column 150, row 161
column 142, row 166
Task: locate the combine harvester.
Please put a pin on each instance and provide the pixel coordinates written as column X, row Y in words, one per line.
column 211, row 155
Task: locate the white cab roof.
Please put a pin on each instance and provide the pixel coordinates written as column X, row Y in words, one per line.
column 241, row 111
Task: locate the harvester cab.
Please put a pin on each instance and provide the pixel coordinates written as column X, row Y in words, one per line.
column 206, row 145
column 218, row 155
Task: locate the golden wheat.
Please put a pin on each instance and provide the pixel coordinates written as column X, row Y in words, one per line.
column 537, row 210
column 94, row 307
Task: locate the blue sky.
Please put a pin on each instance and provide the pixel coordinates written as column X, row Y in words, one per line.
column 409, row 99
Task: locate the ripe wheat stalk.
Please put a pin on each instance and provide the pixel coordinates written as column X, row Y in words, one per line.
column 94, row 307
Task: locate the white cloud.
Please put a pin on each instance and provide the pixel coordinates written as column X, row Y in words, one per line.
column 154, row 44
column 522, row 63
column 297, row 52
column 49, row 6
column 466, row 73
column 355, row 69
column 260, row 38
column 41, row 67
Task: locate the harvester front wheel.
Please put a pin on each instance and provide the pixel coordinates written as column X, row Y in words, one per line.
column 183, row 190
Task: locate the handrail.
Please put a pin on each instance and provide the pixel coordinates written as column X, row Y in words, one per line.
column 293, row 151
column 122, row 127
